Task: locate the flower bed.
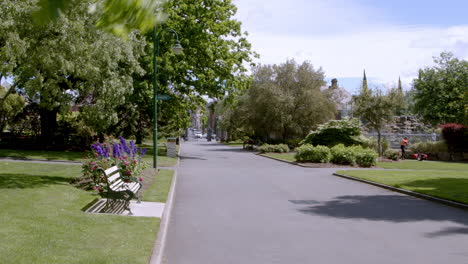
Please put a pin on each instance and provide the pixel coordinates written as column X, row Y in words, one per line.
column 126, row 155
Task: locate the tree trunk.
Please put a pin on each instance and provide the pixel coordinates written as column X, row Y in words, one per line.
column 48, row 126
column 379, row 142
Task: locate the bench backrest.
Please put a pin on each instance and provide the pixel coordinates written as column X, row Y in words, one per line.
column 114, row 181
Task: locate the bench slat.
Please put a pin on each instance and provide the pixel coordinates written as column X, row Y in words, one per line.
column 113, row 178
column 110, row 170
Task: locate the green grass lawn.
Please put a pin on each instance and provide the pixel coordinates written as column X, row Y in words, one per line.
column 42, row 222
column 42, row 154
column 424, row 165
column 163, row 161
column 451, row 185
column 283, row 156
column 159, row 188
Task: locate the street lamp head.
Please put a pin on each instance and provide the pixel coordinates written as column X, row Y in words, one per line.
column 177, row 48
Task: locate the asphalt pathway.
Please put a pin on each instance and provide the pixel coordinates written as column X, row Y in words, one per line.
column 235, row 207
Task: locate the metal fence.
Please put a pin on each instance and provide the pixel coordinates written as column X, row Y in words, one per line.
column 395, row 139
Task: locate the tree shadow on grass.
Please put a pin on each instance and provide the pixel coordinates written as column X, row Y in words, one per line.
column 22, row 181
column 393, row 208
column 454, row 189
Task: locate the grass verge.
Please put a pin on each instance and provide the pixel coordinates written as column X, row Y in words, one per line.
column 450, row 185
column 424, row 165
column 42, row 221
column 283, row 156
column 163, row 161
column 159, row 187
column 42, row 154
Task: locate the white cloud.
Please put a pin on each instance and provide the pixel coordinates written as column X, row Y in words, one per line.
column 345, row 40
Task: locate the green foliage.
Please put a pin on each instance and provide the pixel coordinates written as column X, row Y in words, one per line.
column 440, row 92
column 10, row 108
column 353, row 155
column 343, row 155
column 376, row 109
column 372, row 143
column 117, row 16
column 335, row 132
column 391, row 154
column 280, row 148
column 68, row 62
column 283, row 102
column 310, row 153
column 429, row 147
column 365, row 157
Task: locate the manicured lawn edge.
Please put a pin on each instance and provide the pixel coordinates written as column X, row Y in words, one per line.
column 407, row 192
column 160, row 244
column 282, row 160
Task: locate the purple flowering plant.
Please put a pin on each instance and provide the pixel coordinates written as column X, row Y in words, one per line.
column 126, row 155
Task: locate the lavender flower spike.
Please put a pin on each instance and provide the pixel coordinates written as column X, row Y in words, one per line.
column 123, row 145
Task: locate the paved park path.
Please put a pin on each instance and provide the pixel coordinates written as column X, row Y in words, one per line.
column 235, row 207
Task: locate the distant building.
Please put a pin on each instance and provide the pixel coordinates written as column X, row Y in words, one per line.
column 340, row 96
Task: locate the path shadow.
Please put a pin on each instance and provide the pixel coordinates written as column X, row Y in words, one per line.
column 393, row 208
column 22, row 181
column 449, row 231
column 191, row 158
column 229, row 150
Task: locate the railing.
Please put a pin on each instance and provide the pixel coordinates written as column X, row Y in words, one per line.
column 394, row 139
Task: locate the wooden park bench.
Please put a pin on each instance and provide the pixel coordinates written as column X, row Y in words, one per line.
column 119, row 190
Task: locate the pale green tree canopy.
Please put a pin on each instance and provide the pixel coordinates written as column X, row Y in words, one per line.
column 441, row 91
column 285, row 101
column 68, row 62
column 117, row 16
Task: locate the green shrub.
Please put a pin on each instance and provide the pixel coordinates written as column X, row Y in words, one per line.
column 335, row 132
column 293, row 142
column 343, row 155
column 310, row 153
column 371, row 143
column 280, row 148
column 366, row 157
column 429, row 147
column 391, row 154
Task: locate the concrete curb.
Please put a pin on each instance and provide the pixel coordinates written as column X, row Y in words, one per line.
column 282, row 160
column 415, row 194
column 160, row 244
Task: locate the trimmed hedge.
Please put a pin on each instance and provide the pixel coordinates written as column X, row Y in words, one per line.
column 391, row 154
column 307, row 152
column 366, row 157
column 280, row 148
column 335, row 132
column 342, row 155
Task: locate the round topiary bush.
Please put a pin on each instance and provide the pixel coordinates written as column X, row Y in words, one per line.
column 366, row 157
column 391, row 154
column 343, row 155
column 320, row 154
column 280, row 148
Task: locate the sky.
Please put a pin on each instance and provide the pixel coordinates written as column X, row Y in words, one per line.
column 386, row 38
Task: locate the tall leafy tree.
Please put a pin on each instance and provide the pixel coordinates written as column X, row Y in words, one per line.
column 117, row 16
column 441, row 91
column 376, row 109
column 212, row 64
column 10, row 108
column 285, row 101
column 68, row 62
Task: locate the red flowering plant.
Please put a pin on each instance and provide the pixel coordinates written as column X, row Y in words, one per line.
column 127, row 156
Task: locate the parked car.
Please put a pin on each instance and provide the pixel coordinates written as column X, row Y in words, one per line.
column 198, row 135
